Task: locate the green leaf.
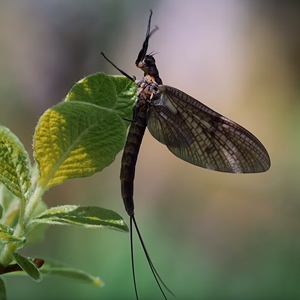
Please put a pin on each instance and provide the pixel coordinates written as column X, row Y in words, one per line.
column 83, row 134
column 127, row 95
column 115, row 92
column 55, row 268
column 14, row 164
column 75, row 140
column 6, row 197
column 87, row 217
column 6, row 235
column 11, row 207
column 28, row 266
column 2, row 290
column 11, row 215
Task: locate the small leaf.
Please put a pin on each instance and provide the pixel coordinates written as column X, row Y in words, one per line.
column 55, row 268
column 87, row 217
column 6, row 235
column 14, row 164
column 2, row 290
column 28, row 266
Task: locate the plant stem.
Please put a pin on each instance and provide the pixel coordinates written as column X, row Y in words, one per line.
column 21, row 228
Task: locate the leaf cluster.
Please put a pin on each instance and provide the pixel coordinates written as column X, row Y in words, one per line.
column 73, row 139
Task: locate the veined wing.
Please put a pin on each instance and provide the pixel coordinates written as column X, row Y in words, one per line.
column 203, row 137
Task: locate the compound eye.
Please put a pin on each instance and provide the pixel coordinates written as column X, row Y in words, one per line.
column 149, row 60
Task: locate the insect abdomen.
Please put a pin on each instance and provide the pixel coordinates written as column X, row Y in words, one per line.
column 129, row 158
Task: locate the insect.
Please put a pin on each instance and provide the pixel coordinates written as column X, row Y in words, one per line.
column 191, row 131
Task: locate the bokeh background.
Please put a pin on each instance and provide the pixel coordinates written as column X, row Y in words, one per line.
column 210, row 235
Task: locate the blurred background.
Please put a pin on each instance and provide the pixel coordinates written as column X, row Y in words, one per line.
column 210, row 235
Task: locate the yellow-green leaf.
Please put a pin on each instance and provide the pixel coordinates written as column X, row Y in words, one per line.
column 83, row 134
column 14, row 164
column 87, row 217
column 6, row 235
column 75, row 139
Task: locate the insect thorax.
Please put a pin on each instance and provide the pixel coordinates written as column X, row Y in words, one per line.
column 147, row 89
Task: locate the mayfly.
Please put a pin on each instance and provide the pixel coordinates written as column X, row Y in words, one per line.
column 191, row 131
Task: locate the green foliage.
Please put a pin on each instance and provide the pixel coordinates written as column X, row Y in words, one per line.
column 28, row 266
column 7, row 235
column 56, row 268
column 2, row 290
column 88, row 217
column 73, row 139
column 15, row 165
column 83, row 134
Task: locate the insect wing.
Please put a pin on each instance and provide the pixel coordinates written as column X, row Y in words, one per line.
column 167, row 127
column 203, row 137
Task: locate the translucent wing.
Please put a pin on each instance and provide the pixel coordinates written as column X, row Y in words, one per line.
column 201, row 136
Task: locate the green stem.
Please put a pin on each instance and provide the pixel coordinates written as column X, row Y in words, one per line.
column 21, row 228
column 33, row 202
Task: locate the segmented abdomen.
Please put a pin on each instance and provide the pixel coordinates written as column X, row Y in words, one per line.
column 129, row 158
